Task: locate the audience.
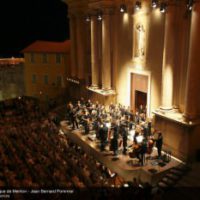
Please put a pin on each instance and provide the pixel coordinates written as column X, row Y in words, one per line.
column 34, row 154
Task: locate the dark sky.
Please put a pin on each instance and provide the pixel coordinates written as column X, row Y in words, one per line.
column 24, row 21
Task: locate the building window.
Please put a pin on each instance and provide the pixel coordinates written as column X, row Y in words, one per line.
column 58, row 58
column 32, row 57
column 33, row 78
column 44, row 58
column 45, row 79
column 58, row 81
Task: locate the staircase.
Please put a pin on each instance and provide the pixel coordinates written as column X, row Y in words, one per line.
column 181, row 182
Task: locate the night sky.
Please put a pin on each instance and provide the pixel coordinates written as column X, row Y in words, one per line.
column 24, row 21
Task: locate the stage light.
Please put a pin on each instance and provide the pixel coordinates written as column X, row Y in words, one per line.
column 99, row 17
column 87, row 19
column 137, row 5
column 163, row 7
column 190, row 5
column 154, row 3
column 123, row 8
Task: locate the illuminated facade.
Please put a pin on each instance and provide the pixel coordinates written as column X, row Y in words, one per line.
column 146, row 55
column 46, row 69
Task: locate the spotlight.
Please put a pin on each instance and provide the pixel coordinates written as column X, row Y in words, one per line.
column 87, row 19
column 163, row 7
column 154, row 3
column 137, row 5
column 99, row 17
column 123, row 8
column 190, row 5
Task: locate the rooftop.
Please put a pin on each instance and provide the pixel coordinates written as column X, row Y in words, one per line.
column 48, row 47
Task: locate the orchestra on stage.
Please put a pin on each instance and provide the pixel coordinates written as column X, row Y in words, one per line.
column 116, row 126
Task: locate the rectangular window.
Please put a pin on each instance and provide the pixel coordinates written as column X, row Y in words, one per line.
column 58, row 58
column 45, row 79
column 58, row 81
column 33, row 78
column 32, row 57
column 44, row 58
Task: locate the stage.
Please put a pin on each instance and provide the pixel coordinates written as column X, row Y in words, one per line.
column 126, row 167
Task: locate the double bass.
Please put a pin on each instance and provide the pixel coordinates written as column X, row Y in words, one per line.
column 150, row 146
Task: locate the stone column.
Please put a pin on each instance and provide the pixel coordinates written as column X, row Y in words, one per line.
column 80, row 33
column 106, row 57
column 192, row 100
column 94, row 52
column 168, row 59
column 73, row 64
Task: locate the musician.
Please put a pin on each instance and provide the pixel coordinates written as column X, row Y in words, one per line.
column 145, row 130
column 103, row 135
column 88, row 103
column 68, row 110
column 159, row 143
column 82, row 101
column 115, row 128
column 137, row 118
column 124, row 133
column 150, row 147
column 96, row 127
column 111, row 107
column 149, row 128
column 135, row 137
column 85, row 120
column 143, row 151
column 130, row 121
column 73, row 118
column 78, row 106
column 141, row 109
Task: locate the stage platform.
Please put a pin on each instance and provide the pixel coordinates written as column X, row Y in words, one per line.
column 123, row 165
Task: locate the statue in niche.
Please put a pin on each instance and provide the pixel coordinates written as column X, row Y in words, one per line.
column 139, row 41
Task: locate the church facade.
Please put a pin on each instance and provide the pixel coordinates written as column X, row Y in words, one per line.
column 141, row 53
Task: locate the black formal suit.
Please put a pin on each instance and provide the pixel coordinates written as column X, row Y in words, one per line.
column 159, row 143
column 103, row 135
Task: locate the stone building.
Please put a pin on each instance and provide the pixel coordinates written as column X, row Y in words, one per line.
column 142, row 52
column 46, row 69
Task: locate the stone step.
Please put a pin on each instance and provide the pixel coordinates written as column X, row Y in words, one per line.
column 182, row 168
column 176, row 172
column 162, row 185
column 173, row 176
column 168, row 181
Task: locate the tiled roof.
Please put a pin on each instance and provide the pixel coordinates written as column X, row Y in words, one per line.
column 48, row 47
